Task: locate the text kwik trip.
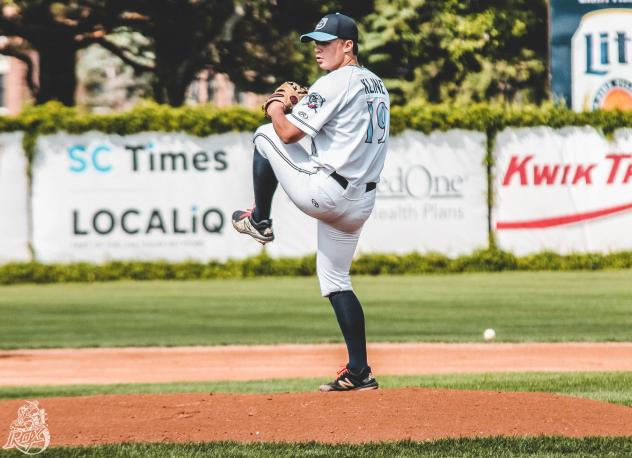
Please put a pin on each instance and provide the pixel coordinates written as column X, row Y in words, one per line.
column 523, row 171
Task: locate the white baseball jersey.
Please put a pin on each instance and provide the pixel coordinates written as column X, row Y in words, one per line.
column 347, row 115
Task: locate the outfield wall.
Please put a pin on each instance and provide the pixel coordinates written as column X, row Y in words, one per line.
column 97, row 197
column 14, row 229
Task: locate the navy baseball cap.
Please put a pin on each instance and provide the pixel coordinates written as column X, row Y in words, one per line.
column 333, row 26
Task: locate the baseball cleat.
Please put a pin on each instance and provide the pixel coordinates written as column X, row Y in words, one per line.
column 348, row 381
column 261, row 231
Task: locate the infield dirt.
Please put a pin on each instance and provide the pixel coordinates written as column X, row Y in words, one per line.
column 186, row 364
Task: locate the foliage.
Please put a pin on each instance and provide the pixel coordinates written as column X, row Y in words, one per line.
column 107, row 83
column 266, row 50
column 171, row 40
column 460, row 51
column 148, row 116
column 490, row 260
column 184, row 37
column 492, row 118
column 56, row 31
column 427, row 50
column 207, row 120
column 231, row 37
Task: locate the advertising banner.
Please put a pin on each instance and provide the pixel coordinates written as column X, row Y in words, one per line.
column 14, row 232
column 567, row 190
column 149, row 196
column 432, row 196
column 153, row 196
column 591, row 53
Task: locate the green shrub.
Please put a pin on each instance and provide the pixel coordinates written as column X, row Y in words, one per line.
column 206, row 120
column 491, row 260
column 493, row 118
column 622, row 260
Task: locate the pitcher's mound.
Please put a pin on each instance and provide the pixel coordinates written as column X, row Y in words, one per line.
column 381, row 415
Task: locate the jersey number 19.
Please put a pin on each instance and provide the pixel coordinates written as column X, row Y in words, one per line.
column 378, row 123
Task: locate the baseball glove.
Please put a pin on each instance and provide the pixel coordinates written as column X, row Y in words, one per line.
column 289, row 94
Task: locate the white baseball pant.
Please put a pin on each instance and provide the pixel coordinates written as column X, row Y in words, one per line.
column 340, row 212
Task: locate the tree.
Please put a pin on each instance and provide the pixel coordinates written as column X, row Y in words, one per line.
column 253, row 41
column 465, row 51
column 268, row 51
column 183, row 37
column 56, row 31
column 106, row 83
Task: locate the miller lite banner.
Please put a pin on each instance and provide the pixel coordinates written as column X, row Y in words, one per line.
column 14, row 232
column 566, row 190
column 432, row 195
column 591, row 53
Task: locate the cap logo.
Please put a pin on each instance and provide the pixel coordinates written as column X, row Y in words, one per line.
column 321, row 24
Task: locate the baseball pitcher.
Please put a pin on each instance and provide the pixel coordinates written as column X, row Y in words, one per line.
column 346, row 115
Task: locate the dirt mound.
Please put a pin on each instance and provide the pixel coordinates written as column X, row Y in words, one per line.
column 179, row 364
column 382, row 415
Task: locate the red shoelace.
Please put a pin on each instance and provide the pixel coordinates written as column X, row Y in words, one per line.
column 248, row 211
column 343, row 370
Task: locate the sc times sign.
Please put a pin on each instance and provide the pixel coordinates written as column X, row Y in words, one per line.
column 591, row 53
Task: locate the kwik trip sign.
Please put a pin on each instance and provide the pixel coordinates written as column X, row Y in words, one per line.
column 567, row 190
column 591, row 53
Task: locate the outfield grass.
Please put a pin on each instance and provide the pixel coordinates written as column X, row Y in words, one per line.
column 532, row 447
column 615, row 387
column 521, row 306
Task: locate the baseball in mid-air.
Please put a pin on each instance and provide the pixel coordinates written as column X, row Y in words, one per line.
column 489, row 334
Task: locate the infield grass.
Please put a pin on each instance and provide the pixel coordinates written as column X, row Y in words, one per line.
column 493, row 447
column 615, row 387
column 521, row 306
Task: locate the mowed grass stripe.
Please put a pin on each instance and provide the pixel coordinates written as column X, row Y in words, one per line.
column 521, row 306
column 494, row 447
column 615, row 387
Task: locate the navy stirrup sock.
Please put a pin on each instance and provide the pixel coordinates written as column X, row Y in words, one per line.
column 351, row 320
column 265, row 183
